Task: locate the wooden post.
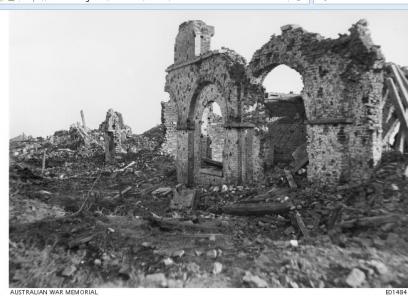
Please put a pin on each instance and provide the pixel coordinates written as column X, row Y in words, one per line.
column 391, row 130
column 43, row 162
column 403, row 78
column 399, row 108
column 399, row 142
column 400, row 86
column 83, row 119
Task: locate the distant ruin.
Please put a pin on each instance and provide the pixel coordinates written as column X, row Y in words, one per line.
column 115, row 133
column 336, row 120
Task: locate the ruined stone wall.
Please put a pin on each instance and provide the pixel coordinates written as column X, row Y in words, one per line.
column 193, row 39
column 169, row 120
column 343, row 84
column 216, row 132
column 193, row 82
column 115, row 134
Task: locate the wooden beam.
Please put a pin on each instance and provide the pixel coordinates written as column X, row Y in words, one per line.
column 257, row 209
column 290, row 179
column 400, row 86
column 403, row 78
column 83, row 119
column 212, row 162
column 391, row 129
column 399, row 109
column 400, row 142
column 330, row 121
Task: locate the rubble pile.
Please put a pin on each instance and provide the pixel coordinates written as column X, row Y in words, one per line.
column 130, row 224
column 150, row 140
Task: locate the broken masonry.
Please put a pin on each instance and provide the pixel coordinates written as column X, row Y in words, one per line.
column 115, row 133
column 335, row 124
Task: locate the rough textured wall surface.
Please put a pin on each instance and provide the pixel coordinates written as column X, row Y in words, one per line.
column 342, row 96
column 115, row 134
column 342, row 93
column 169, row 120
column 193, row 39
column 194, row 81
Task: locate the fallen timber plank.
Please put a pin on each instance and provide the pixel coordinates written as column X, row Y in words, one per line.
column 212, row 162
column 301, row 225
column 370, row 221
column 334, row 216
column 290, row 179
column 399, row 109
column 81, row 240
column 256, row 209
column 121, row 193
column 330, row 121
column 170, row 224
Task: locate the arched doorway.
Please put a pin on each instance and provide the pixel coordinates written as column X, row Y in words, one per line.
column 286, row 137
column 207, row 142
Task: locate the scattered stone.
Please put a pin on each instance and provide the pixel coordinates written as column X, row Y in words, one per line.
column 175, row 284
column 212, row 238
column 168, row 261
column 183, row 198
column 162, row 191
column 289, row 230
column 356, row 278
column 217, row 268
column 69, row 271
column 254, row 280
column 294, row 243
column 193, row 267
column 224, row 188
column 380, row 267
column 178, row 253
column 157, row 279
column 97, row 262
column 147, row 245
column 211, row 253
column 394, row 187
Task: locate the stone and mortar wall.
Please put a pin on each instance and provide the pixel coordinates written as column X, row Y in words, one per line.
column 195, row 80
column 169, row 119
column 343, row 84
column 115, row 134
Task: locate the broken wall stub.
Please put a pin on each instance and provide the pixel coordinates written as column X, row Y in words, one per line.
column 198, row 78
column 343, row 82
column 115, row 133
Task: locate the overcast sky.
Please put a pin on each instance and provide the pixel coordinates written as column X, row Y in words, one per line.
column 65, row 61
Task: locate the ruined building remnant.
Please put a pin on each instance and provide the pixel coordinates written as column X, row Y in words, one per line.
column 337, row 118
column 115, row 133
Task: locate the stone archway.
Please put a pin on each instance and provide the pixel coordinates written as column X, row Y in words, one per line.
column 195, row 71
column 342, row 95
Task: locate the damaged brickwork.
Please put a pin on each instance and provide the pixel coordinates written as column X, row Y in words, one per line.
column 115, row 133
column 338, row 114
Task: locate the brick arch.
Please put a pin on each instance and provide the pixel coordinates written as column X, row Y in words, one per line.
column 342, row 91
column 196, row 108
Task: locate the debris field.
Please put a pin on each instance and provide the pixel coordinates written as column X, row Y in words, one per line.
column 273, row 190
